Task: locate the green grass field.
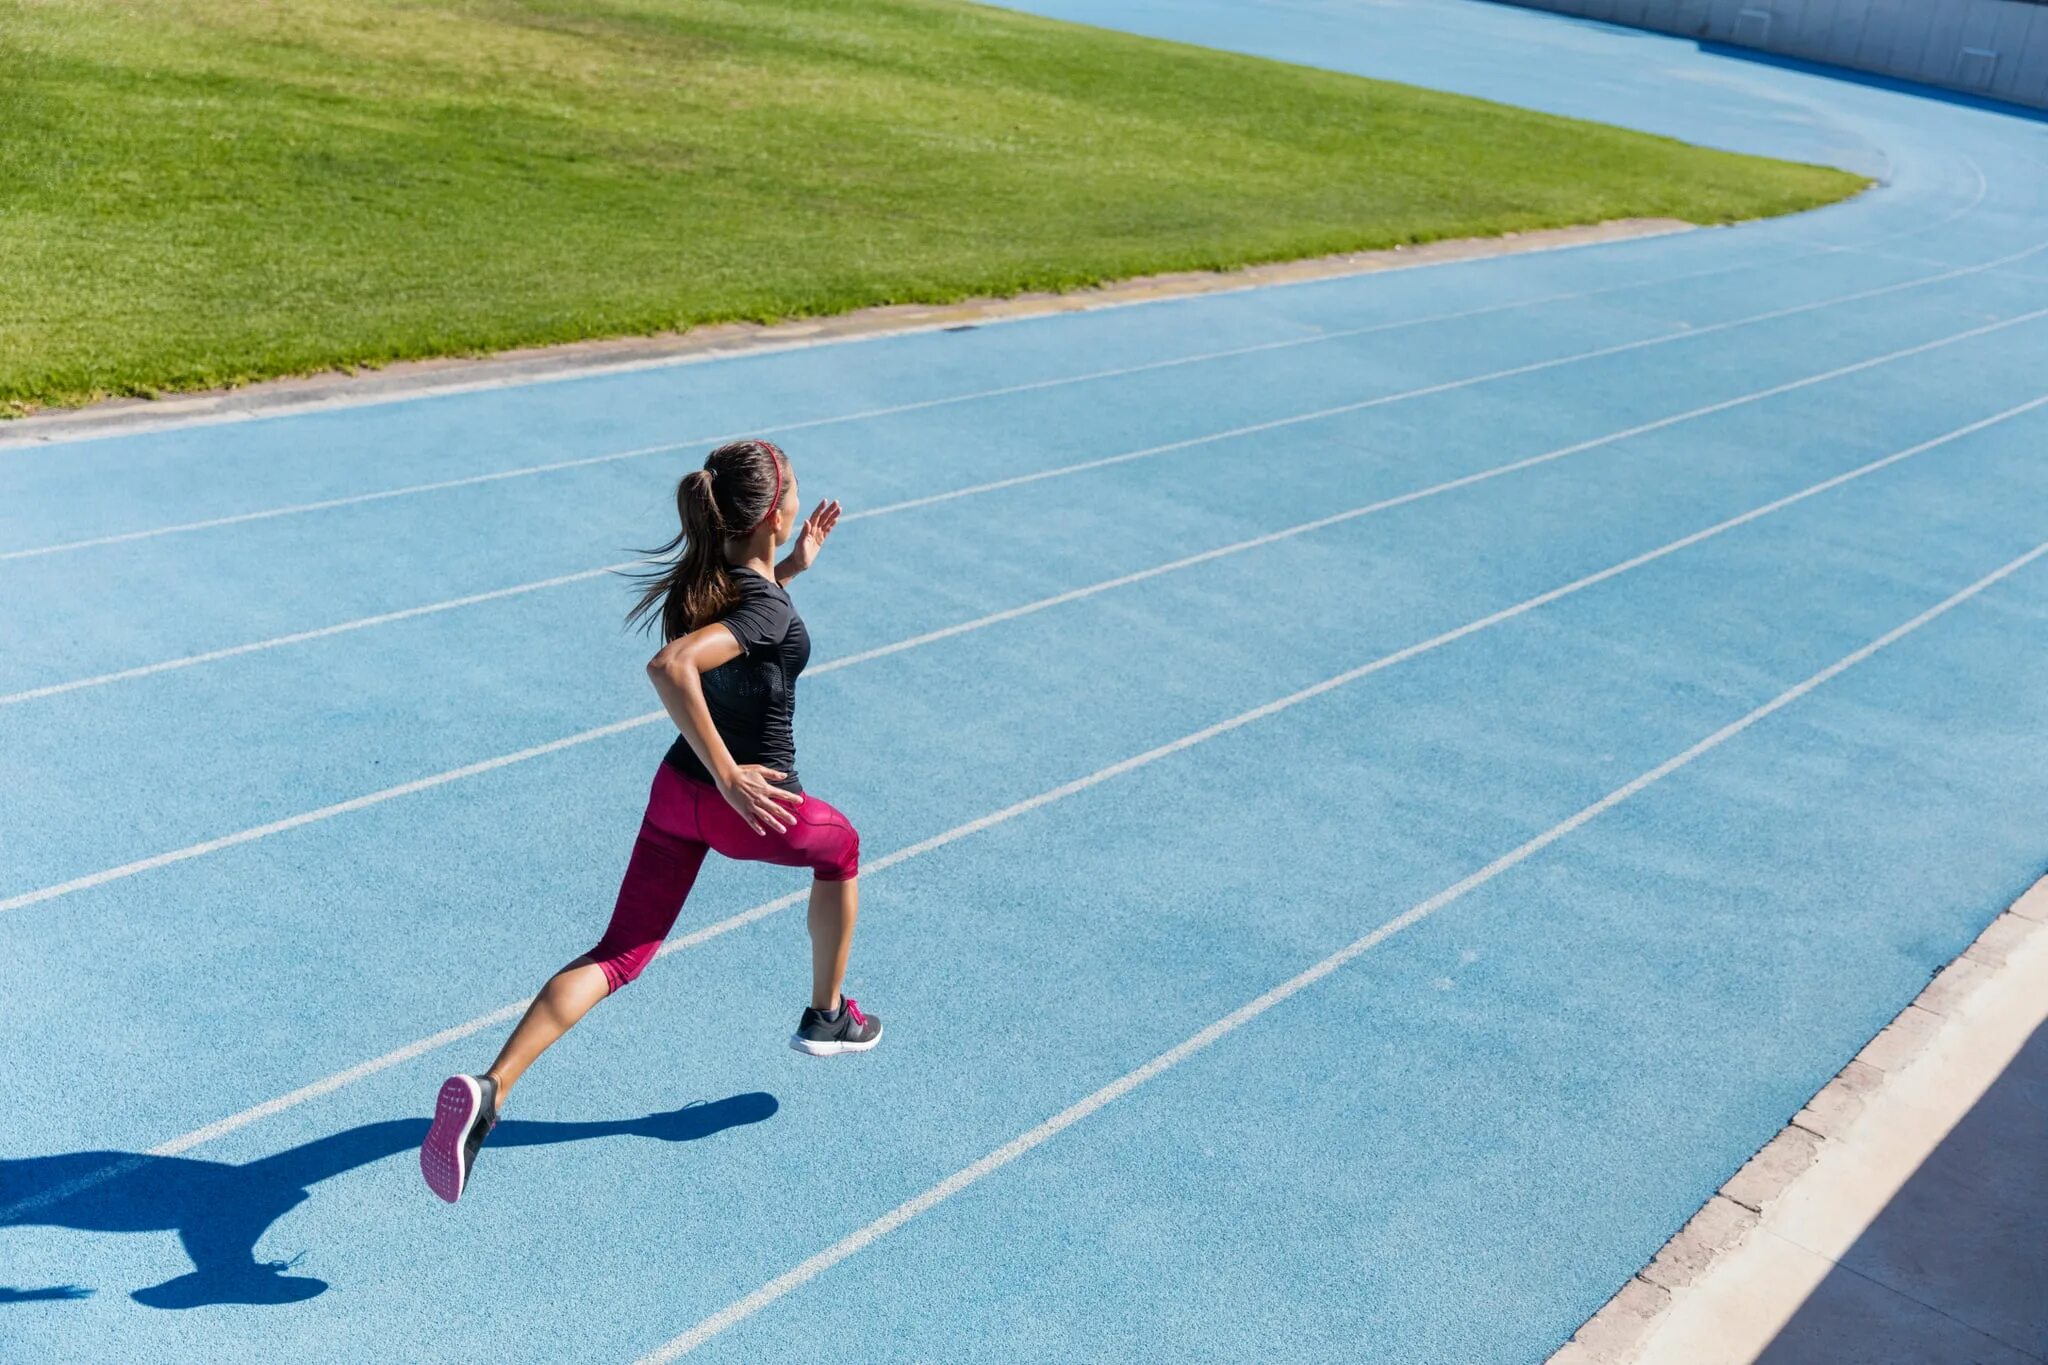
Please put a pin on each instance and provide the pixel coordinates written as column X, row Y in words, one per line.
column 197, row 193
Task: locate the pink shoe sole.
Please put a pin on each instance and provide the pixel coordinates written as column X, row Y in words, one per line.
column 441, row 1155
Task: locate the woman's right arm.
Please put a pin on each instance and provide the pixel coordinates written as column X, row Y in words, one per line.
column 677, row 673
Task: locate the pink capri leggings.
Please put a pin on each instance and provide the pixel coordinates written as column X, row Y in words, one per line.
column 684, row 820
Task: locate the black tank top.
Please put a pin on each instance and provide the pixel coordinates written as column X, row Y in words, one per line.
column 753, row 698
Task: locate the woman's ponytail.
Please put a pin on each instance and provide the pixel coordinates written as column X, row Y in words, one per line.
column 689, row 584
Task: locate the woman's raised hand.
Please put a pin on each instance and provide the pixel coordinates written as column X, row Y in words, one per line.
column 810, row 537
column 751, row 791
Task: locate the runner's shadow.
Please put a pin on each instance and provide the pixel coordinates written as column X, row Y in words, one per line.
column 221, row 1210
column 55, row 1291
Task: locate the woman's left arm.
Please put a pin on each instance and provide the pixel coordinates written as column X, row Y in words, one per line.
column 810, row 538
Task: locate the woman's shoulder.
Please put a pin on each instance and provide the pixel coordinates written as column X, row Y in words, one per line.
column 760, row 613
column 754, row 589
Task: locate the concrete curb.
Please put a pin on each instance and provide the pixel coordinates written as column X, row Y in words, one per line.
column 419, row 378
column 1617, row 1333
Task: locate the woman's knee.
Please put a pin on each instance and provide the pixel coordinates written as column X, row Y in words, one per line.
column 657, row 881
column 836, row 855
column 622, row 964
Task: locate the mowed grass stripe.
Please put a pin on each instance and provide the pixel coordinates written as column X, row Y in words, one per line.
column 212, row 192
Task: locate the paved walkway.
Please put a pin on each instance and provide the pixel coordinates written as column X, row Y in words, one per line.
column 1920, row 1230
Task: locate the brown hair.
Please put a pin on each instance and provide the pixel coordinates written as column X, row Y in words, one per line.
column 690, row 584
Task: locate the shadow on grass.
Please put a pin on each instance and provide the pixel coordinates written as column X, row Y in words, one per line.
column 221, row 1210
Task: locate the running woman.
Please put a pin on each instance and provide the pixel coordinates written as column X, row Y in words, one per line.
column 733, row 647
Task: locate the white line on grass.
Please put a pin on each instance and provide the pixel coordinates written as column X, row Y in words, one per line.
column 505, row 1013
column 1480, row 476
column 807, row 1270
column 1448, row 386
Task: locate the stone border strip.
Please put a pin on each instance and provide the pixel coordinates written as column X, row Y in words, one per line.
column 575, row 360
column 1615, row 1334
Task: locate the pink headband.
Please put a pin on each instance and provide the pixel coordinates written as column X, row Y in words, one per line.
column 775, row 455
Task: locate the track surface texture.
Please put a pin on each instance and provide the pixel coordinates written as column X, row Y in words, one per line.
column 1378, row 795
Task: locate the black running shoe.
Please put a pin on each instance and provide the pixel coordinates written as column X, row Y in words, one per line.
column 464, row 1115
column 827, row 1034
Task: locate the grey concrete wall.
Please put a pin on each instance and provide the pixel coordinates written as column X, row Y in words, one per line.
column 1997, row 48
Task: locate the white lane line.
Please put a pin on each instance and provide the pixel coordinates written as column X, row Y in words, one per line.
column 865, row 415
column 319, row 633
column 602, row 370
column 1281, row 422
column 331, row 404
column 328, row 1085
column 1983, row 188
column 505, row 1013
column 809, row 1269
column 311, row 817
column 141, row 865
column 1416, row 495
column 1925, row 261
column 606, row 369
column 150, row 864
column 1683, row 334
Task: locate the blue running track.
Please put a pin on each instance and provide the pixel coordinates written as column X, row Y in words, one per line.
column 1378, row 795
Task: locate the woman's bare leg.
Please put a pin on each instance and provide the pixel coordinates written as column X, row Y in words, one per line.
column 567, row 997
column 834, row 908
column 573, row 991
